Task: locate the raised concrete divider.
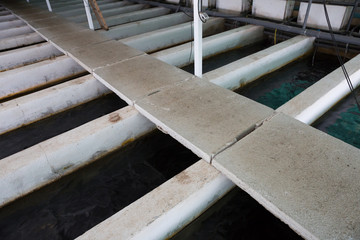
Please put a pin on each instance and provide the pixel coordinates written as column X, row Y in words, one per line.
column 37, row 75
column 20, row 40
column 171, row 36
column 248, row 69
column 131, row 29
column 324, row 94
column 47, row 161
column 162, row 212
column 27, row 55
column 181, row 55
column 11, row 24
column 36, row 106
column 15, row 31
column 132, row 16
column 109, row 12
column 8, row 17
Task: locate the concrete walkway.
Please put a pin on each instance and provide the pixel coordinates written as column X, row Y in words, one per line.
column 306, row 178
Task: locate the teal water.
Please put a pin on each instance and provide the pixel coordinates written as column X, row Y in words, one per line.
column 342, row 122
column 276, row 88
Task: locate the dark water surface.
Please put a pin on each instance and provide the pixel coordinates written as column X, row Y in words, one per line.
column 276, row 88
column 29, row 135
column 342, row 121
column 237, row 217
column 67, row 208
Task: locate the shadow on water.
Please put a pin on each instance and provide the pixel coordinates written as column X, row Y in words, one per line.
column 276, row 88
column 27, row 136
column 342, row 121
column 235, row 217
column 67, row 208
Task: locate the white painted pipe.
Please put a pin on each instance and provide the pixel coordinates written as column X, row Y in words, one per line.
column 27, row 55
column 248, row 69
column 36, row 106
column 316, row 100
column 47, row 161
column 88, row 14
column 239, row 37
column 166, row 37
column 23, row 79
column 197, row 40
column 20, row 40
column 49, row 5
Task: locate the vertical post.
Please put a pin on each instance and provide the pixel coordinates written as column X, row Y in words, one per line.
column 48, row 5
column 88, row 14
column 307, row 14
column 197, row 40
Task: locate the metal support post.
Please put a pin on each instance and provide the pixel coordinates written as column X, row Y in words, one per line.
column 48, row 5
column 307, row 14
column 197, row 40
column 88, row 14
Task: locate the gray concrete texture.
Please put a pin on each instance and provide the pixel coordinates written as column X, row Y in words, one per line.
column 305, row 177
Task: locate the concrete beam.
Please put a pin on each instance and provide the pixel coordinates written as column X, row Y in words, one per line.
column 8, row 17
column 174, row 35
column 165, row 210
column 134, row 16
column 316, row 100
column 110, row 12
column 37, row 75
column 11, row 24
column 131, row 29
column 20, row 40
column 48, row 161
column 248, row 69
column 11, row 32
column 27, row 55
column 42, row 104
column 222, row 42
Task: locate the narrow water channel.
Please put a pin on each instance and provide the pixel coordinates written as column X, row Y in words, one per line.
column 67, row 208
column 27, row 136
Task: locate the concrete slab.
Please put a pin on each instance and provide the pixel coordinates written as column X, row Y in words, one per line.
column 140, row 76
column 50, row 33
column 66, row 42
column 102, row 54
column 202, row 116
column 305, row 177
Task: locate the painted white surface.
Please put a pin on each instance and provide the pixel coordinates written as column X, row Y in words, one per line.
column 273, row 9
column 88, row 14
column 338, row 15
column 47, row 161
column 197, row 41
column 36, row 106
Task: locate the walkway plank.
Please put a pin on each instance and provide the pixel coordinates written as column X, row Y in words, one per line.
column 305, row 177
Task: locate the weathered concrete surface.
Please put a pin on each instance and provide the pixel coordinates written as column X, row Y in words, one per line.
column 248, row 69
column 47, row 161
column 20, row 40
column 41, row 104
column 171, row 36
column 202, row 116
column 11, row 24
column 131, row 29
column 27, row 55
column 102, row 54
column 305, row 177
column 225, row 41
column 168, row 208
column 36, row 75
column 132, row 80
column 324, row 94
column 11, row 32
